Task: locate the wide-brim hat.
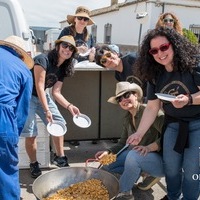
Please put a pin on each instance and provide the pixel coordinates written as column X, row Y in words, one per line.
column 17, row 44
column 123, row 87
column 81, row 11
column 69, row 39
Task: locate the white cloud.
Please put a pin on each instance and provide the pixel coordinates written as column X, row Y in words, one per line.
column 48, row 13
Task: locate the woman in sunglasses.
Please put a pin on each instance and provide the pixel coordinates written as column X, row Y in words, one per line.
column 108, row 58
column 49, row 72
column 78, row 29
column 171, row 21
column 144, row 157
column 171, row 66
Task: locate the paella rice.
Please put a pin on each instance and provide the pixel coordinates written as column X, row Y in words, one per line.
column 108, row 159
column 92, row 189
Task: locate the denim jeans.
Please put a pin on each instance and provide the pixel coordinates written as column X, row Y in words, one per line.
column 130, row 164
column 181, row 168
column 30, row 128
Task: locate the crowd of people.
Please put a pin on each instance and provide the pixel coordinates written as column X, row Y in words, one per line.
column 162, row 136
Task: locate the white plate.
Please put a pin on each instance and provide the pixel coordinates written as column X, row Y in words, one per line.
column 86, row 53
column 56, row 128
column 166, row 97
column 82, row 120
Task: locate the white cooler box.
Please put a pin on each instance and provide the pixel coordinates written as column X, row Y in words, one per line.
column 43, row 148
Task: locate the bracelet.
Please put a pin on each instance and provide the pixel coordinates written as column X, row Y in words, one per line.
column 69, row 105
column 47, row 111
column 190, row 100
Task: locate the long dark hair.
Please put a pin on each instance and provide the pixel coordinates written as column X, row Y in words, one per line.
column 186, row 54
column 67, row 65
column 85, row 32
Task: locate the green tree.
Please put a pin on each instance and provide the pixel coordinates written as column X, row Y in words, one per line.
column 190, row 36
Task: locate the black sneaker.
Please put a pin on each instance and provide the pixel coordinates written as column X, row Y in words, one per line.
column 61, row 161
column 35, row 169
column 75, row 143
column 164, row 198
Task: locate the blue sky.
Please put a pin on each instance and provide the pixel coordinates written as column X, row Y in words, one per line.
column 48, row 13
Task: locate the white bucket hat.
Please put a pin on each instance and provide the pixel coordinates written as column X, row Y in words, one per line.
column 123, row 87
column 17, row 44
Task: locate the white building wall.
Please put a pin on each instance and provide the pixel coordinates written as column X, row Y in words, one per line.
column 124, row 25
column 126, row 28
column 187, row 15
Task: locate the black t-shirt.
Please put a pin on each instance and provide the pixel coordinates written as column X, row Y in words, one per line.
column 127, row 74
column 53, row 73
column 79, row 37
column 175, row 83
column 127, row 61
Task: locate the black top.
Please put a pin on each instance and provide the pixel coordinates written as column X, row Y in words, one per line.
column 53, row 73
column 127, row 61
column 127, row 74
column 175, row 83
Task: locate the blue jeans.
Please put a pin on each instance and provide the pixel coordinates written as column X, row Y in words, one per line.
column 130, row 164
column 181, row 168
column 30, row 128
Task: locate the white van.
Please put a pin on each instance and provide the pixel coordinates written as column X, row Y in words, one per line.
column 13, row 22
column 50, row 36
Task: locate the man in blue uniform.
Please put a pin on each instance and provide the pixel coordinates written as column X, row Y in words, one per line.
column 16, row 87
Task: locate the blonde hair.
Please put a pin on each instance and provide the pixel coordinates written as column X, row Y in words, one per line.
column 177, row 24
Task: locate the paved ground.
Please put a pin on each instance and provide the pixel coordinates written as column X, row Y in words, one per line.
column 77, row 157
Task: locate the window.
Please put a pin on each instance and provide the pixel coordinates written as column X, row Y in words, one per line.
column 6, row 22
column 196, row 30
column 94, row 33
column 107, row 33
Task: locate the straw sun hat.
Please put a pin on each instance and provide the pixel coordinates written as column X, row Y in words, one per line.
column 69, row 39
column 81, row 11
column 17, row 44
column 123, row 87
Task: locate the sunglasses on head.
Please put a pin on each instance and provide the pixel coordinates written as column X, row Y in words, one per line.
column 66, row 45
column 163, row 47
column 125, row 96
column 84, row 18
column 104, row 57
column 168, row 20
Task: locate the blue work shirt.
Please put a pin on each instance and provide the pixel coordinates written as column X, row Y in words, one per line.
column 15, row 91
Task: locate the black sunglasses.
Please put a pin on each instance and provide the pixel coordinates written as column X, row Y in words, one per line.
column 166, row 20
column 125, row 96
column 66, row 45
column 84, row 18
column 103, row 60
column 163, row 47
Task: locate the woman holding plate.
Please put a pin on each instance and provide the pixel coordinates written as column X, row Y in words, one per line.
column 171, row 66
column 49, row 72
